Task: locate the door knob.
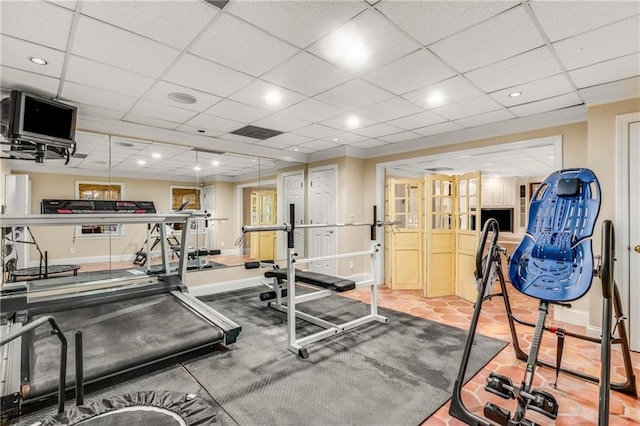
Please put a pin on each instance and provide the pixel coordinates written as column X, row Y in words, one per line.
column 637, row 248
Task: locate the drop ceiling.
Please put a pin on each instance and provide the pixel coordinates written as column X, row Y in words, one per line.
column 363, row 78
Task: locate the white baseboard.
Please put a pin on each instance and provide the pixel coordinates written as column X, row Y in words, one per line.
column 208, row 289
column 593, row 331
column 571, row 316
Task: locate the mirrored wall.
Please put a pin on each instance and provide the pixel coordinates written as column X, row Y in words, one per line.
column 232, row 190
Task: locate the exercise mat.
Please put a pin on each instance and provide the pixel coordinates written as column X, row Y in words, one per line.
column 398, row 373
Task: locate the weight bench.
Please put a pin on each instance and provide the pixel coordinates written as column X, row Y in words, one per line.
column 323, row 285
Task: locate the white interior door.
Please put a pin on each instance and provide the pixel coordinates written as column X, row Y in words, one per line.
column 294, row 194
column 323, row 209
column 634, row 235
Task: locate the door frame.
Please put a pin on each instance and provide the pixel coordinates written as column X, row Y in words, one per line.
column 239, row 203
column 310, row 172
column 381, row 168
column 630, row 297
column 212, row 229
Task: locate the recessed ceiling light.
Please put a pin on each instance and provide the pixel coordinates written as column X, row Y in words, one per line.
column 295, row 149
column 142, row 162
column 356, row 54
column 156, row 155
column 37, row 61
column 215, row 163
column 551, row 157
column 435, row 98
column 197, row 168
column 353, row 121
column 335, row 139
column 182, row 98
column 515, row 94
column 273, row 97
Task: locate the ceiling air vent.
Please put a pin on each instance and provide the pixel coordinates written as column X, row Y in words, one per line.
column 218, row 3
column 80, row 156
column 438, row 169
column 208, row 151
column 256, row 132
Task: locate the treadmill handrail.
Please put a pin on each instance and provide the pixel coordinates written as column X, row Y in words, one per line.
column 89, row 219
column 63, row 350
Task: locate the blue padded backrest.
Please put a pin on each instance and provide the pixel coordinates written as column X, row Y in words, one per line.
column 554, row 261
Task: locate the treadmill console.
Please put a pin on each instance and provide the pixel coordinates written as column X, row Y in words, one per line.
column 96, row 206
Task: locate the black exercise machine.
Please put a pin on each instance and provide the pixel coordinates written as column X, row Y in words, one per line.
column 553, row 263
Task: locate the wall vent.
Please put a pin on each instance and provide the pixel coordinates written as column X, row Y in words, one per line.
column 438, row 169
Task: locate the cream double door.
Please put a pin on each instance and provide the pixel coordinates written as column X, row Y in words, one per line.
column 433, row 244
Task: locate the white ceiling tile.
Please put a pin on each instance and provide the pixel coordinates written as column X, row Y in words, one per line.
column 390, row 109
column 288, row 139
column 281, row 122
column 237, row 111
column 105, row 43
column 316, row 131
column 15, row 53
column 97, row 112
column 449, row 126
column 564, row 101
column 348, row 122
column 429, row 21
column 467, row 108
column 536, row 90
column 378, row 130
column 312, row 110
column 174, row 23
column 238, row 138
column 38, row 22
column 599, row 45
column 273, row 144
column 495, row 39
column 369, row 143
column 205, row 121
column 98, row 97
column 417, row 120
column 414, row 71
column 162, row 111
column 318, row 145
column 301, row 149
column 354, row 94
column 69, row 4
column 160, row 91
column 307, row 74
column 562, row 19
column 446, row 92
column 260, row 51
column 604, row 72
column 90, row 73
column 345, row 138
column 194, row 72
column 486, row 118
column 255, row 94
column 377, row 41
column 529, row 66
column 153, row 122
column 300, row 23
column 400, row 137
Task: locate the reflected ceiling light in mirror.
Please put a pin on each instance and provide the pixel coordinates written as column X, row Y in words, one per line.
column 296, row 149
column 197, row 168
column 182, row 98
column 38, row 61
column 156, row 155
column 515, row 94
column 335, row 139
column 142, row 162
column 215, row 163
column 273, row 97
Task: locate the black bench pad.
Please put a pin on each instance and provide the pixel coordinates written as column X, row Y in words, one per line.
column 314, row 278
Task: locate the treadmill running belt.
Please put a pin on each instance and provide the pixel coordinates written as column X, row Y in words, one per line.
column 117, row 336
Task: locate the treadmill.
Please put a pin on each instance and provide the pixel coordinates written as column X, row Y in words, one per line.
column 128, row 320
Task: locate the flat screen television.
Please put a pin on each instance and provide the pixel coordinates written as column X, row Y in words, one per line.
column 34, row 119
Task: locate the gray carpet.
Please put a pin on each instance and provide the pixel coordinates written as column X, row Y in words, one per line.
column 379, row 374
column 398, row 373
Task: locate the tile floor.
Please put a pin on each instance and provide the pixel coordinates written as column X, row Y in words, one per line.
column 577, row 398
